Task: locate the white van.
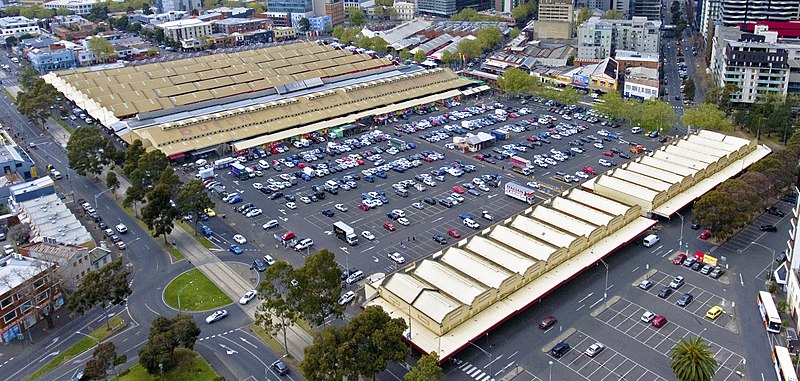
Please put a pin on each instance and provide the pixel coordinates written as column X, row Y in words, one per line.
column 636, row 130
column 650, row 240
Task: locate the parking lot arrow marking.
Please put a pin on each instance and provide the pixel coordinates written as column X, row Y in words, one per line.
column 284, row 219
column 248, row 343
column 282, row 211
column 328, row 232
column 493, row 195
column 345, row 250
column 375, row 258
column 586, row 297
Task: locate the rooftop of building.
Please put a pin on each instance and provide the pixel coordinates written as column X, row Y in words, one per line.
column 633, row 55
column 14, row 21
column 16, row 270
column 642, row 72
column 53, row 250
column 50, row 218
column 183, row 23
column 71, row 2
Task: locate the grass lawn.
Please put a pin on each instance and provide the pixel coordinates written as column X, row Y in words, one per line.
column 191, row 367
column 63, row 124
column 201, row 295
column 175, row 252
column 81, row 346
column 8, row 94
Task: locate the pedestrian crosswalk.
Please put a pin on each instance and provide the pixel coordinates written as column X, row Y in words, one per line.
column 475, row 372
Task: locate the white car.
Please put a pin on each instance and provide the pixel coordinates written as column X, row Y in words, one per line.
column 418, row 205
column 533, row 184
column 470, row 223
column 341, row 207
column 291, row 205
column 253, row 213
column 305, row 200
column 403, row 221
column 216, row 316
column 347, row 297
column 598, row 146
column 582, row 174
column 368, row 235
column 604, row 162
column 246, row 298
column 397, row 258
column 240, row 239
column 648, row 316
column 121, row 228
column 8, row 249
column 269, row 260
column 257, row 186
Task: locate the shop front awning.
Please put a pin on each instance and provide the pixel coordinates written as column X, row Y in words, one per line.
column 177, row 156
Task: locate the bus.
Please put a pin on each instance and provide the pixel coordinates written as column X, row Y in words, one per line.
column 769, row 313
column 783, row 364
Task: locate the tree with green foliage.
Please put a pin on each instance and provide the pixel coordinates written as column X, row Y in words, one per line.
column 356, row 16
column 36, row 98
column 466, row 14
column 158, row 213
column 376, row 340
column 88, row 151
column 489, row 37
column 193, row 200
column 721, row 96
column 103, row 357
column 446, row 57
column 11, row 41
column 112, row 182
column 613, row 14
column 36, row 12
column 167, row 335
column 655, row 115
column 514, row 33
column 210, row 4
column 133, row 153
column 98, row 13
column 319, row 287
column 515, row 81
column 692, row 360
column 329, row 358
column 771, row 115
column 689, row 88
column 469, row 49
column 255, row 6
column 614, row 106
column 707, row 116
column 746, row 196
column 426, row 369
column 379, row 45
column 522, row 12
column 101, row 288
column 405, row 54
column 102, row 49
column 583, row 15
column 303, row 25
column 719, row 212
column 420, row 56
column 337, row 32
column 277, row 311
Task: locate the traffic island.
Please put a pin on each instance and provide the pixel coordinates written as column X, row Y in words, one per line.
column 190, row 367
column 197, row 293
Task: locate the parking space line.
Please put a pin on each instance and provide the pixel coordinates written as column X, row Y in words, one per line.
column 703, row 299
column 613, row 366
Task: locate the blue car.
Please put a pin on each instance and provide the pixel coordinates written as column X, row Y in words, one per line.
column 369, row 179
column 613, row 136
column 381, row 175
column 235, row 249
column 235, row 199
column 653, row 134
column 412, row 145
column 464, row 216
column 206, row 230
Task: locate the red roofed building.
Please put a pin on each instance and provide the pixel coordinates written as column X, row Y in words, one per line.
column 785, row 29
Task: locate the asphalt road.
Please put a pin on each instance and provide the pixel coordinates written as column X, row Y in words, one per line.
column 152, row 269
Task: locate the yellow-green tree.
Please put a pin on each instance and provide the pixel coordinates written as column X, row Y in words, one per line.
column 707, row 116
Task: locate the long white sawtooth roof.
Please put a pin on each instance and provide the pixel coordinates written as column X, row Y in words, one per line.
column 576, row 209
column 543, row 232
column 563, row 221
column 477, row 267
column 455, row 285
column 504, row 257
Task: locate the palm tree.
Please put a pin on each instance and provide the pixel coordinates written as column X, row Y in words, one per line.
column 692, row 360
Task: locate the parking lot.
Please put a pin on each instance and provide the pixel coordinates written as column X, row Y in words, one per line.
column 609, row 364
column 625, row 317
column 702, row 302
column 742, row 240
column 416, row 240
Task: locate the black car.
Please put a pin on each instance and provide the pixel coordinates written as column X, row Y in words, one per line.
column 446, row 203
column 695, row 225
column 768, row 228
column 697, row 265
column 685, row 299
column 624, row 155
column 560, row 349
column 276, row 195
column 440, row 238
column 775, row 211
column 430, row 201
column 327, row 212
column 259, row 266
column 290, row 198
column 665, row 292
column 392, row 215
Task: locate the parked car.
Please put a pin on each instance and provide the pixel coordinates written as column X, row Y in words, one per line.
column 548, row 322
column 594, row 349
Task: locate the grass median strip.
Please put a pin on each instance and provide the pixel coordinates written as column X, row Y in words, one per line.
column 81, row 346
column 200, row 295
column 203, row 240
column 191, row 367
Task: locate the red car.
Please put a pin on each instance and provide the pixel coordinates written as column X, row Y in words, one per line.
column 589, row 170
column 705, row 234
column 479, row 156
column 458, row 189
column 389, row 226
column 288, row 235
column 427, row 159
column 659, row 321
column 679, row 259
column 532, row 138
column 363, row 207
column 548, row 322
column 453, row 233
column 608, row 153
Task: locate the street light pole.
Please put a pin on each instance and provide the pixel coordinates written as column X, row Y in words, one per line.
column 179, row 296
column 605, row 290
column 550, row 377
column 89, row 336
column 771, row 264
column 680, row 240
column 98, row 195
column 487, row 354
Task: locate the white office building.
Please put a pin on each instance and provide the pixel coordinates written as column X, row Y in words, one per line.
column 78, row 7
column 600, row 38
column 17, row 26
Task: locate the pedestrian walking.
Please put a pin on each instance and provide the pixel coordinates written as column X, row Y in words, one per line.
column 414, row 238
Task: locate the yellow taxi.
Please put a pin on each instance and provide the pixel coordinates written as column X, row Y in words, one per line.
column 714, row 312
column 210, row 212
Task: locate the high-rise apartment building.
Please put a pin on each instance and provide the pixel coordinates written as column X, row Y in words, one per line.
column 600, row 38
column 448, row 8
column 754, row 62
column 165, row 6
column 645, row 8
column 709, row 14
column 555, row 19
column 736, row 12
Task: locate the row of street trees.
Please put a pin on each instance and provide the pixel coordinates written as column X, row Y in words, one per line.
column 515, row 81
column 651, row 115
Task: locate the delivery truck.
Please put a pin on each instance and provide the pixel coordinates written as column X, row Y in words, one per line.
column 345, row 233
column 520, row 192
